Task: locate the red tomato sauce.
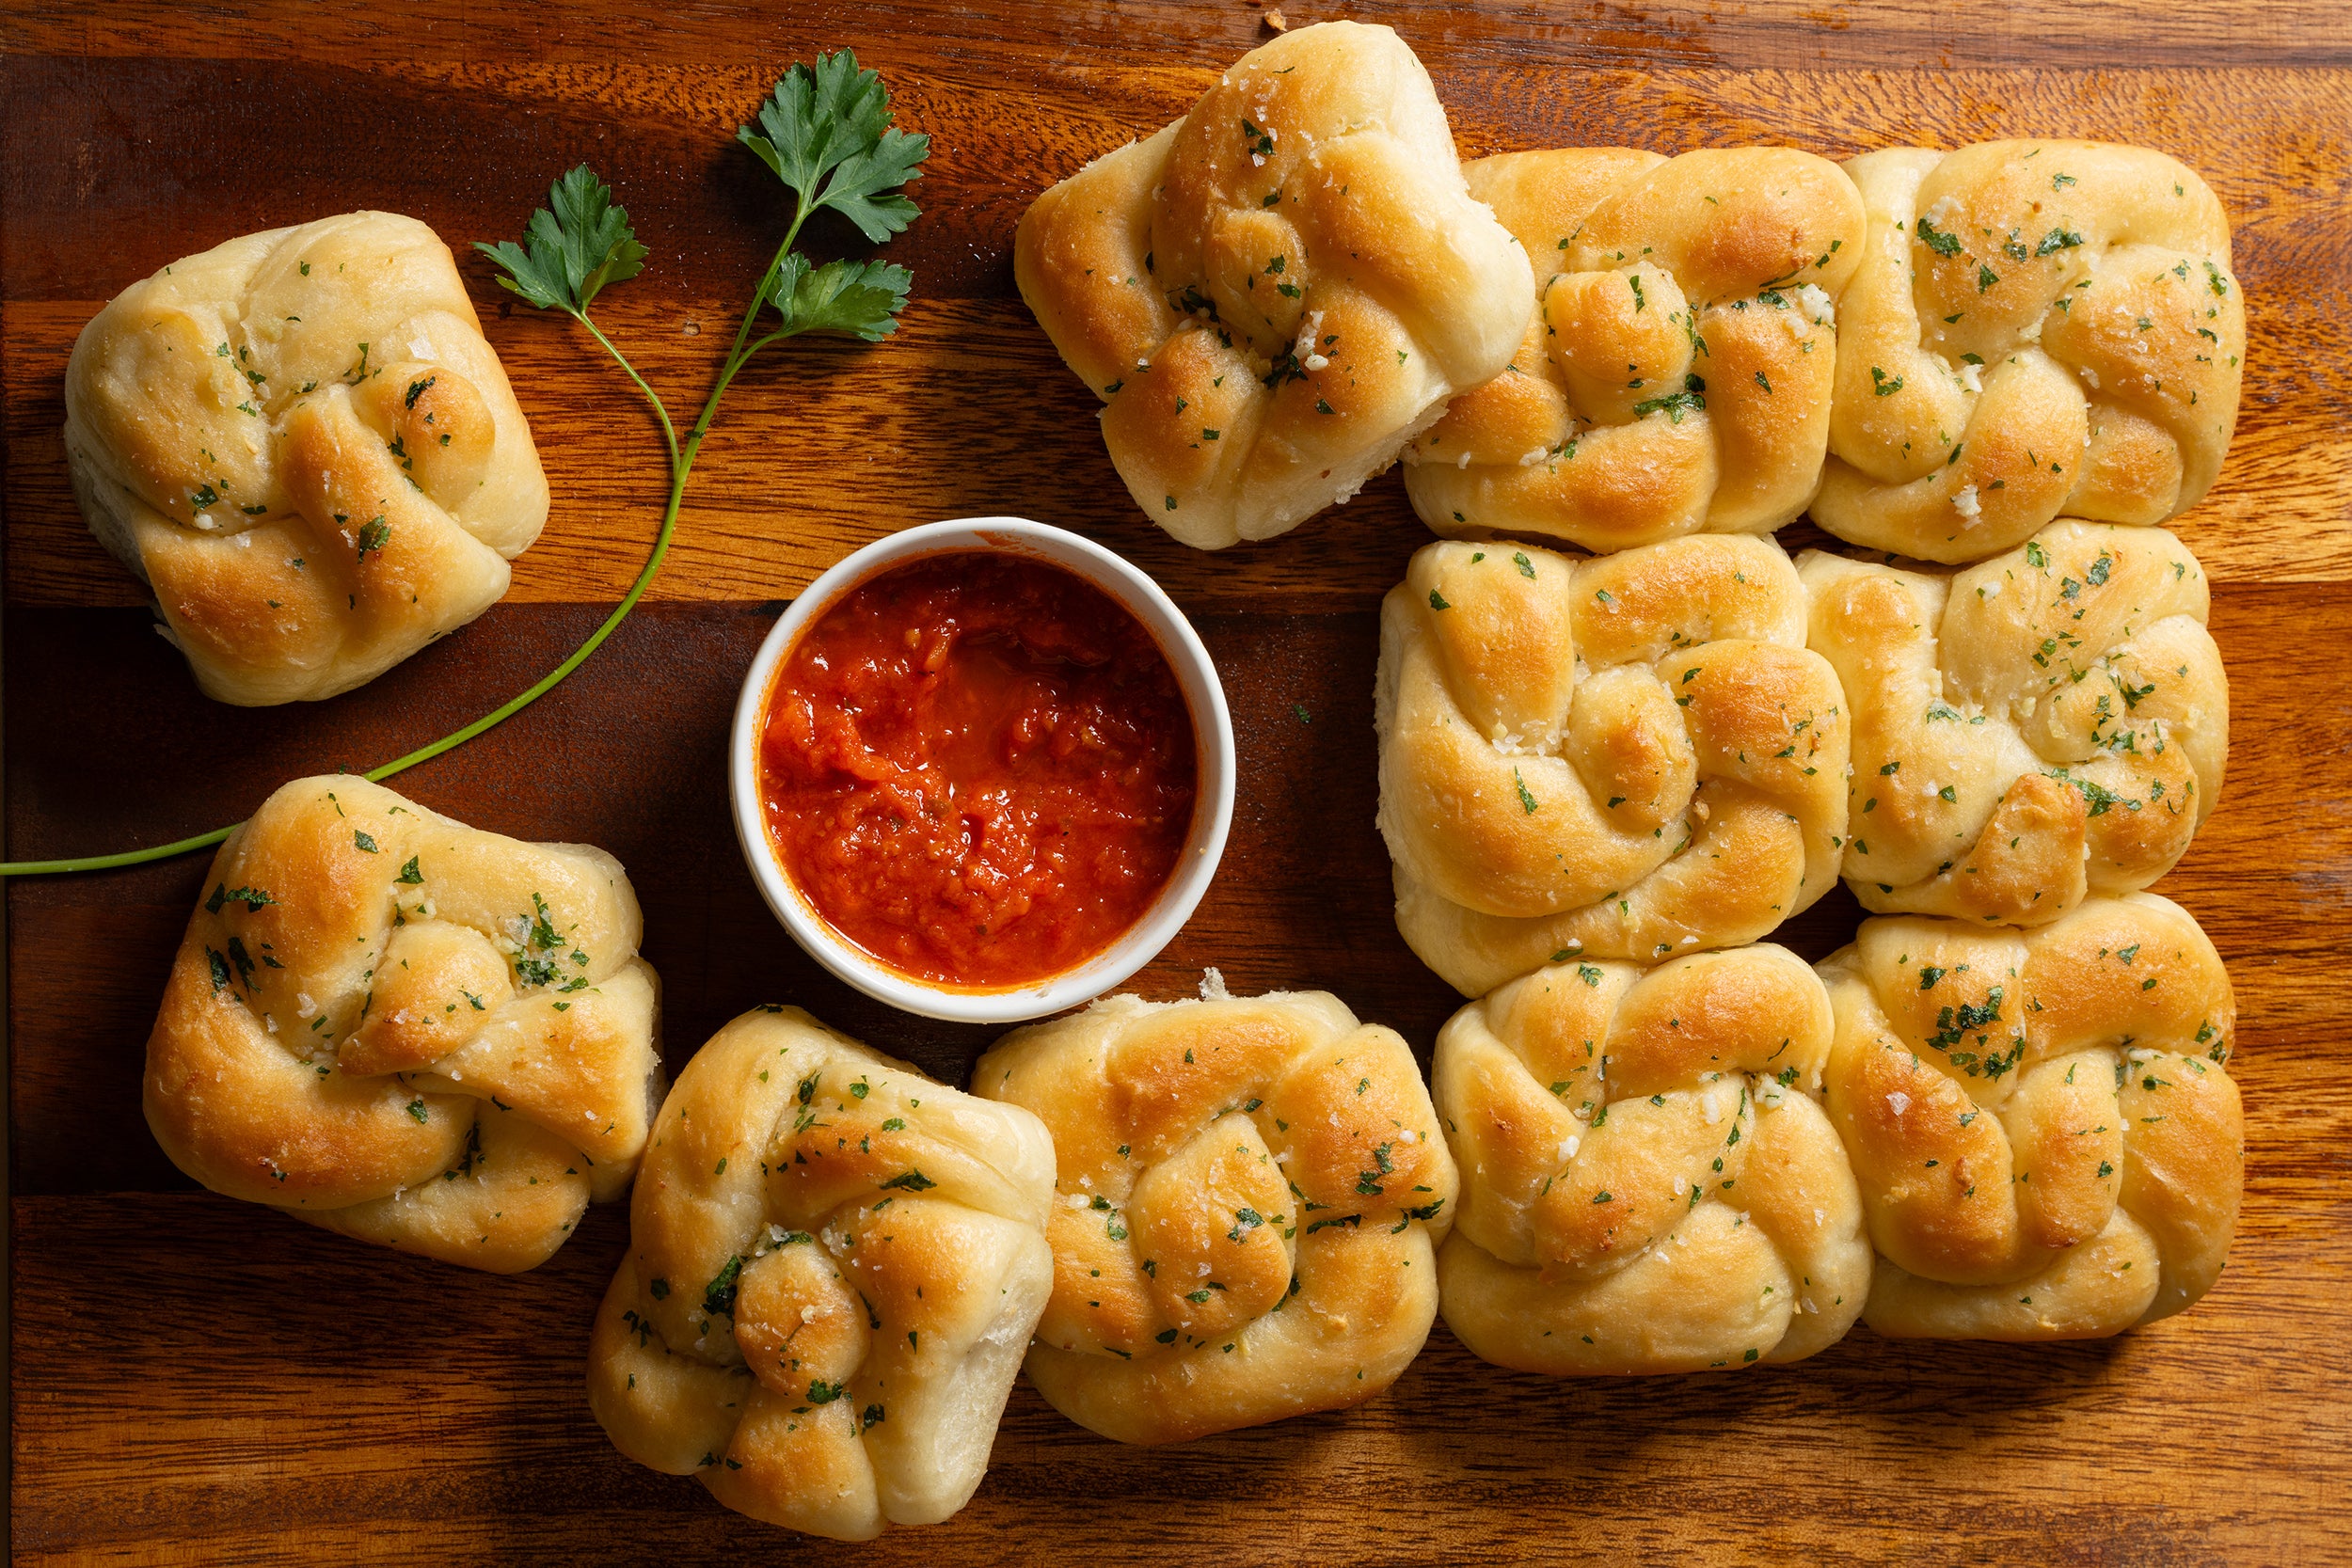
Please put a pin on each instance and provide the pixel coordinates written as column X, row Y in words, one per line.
column 978, row 767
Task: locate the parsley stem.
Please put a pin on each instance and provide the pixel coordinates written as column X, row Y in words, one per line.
column 547, row 275
column 669, row 434
column 680, row 464
column 128, row 857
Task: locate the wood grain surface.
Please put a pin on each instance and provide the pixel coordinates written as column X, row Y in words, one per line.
column 197, row 1381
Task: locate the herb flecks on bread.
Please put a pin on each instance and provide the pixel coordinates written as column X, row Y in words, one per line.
column 1653, row 1183
column 2037, row 328
column 2049, row 723
column 2044, row 1126
column 1631, row 756
column 1275, row 292
column 301, row 443
column 1677, row 373
column 1250, row 1196
column 835, row 1268
column 407, row 1030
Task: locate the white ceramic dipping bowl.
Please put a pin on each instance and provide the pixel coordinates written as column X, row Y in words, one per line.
column 1213, row 807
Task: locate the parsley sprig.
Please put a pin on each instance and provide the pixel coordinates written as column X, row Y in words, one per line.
column 826, row 133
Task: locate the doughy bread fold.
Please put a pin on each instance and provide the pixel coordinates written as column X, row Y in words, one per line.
column 1272, row 295
column 1250, row 1196
column 2037, row 328
column 1649, row 1183
column 1677, row 373
column 407, row 1030
column 2049, row 723
column 301, row 443
column 835, row 1268
column 2044, row 1126
column 1632, row 756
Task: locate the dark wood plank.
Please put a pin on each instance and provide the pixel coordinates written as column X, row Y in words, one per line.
column 968, row 411
column 1303, row 898
column 267, row 1394
column 196, row 1380
column 1887, row 34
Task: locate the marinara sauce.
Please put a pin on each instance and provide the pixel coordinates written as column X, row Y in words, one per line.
column 978, row 767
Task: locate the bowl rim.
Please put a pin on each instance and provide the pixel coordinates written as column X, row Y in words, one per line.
column 1212, row 810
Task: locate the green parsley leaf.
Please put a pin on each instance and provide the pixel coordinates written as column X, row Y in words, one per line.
column 1935, row 240
column 829, row 138
column 568, row 255
column 857, row 299
column 719, row 1296
column 253, row 898
column 827, row 133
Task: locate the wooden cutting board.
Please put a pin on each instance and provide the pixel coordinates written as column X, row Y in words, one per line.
column 194, row 1380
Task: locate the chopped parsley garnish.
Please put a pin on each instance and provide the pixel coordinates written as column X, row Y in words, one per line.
column 253, row 898
column 1673, row 405
column 1936, row 240
column 719, row 1296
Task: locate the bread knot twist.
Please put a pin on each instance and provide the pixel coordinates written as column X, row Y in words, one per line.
column 1630, row 756
column 301, row 442
column 2037, row 328
column 1649, row 1182
column 407, row 1030
column 2047, row 1139
column 1250, row 1196
column 1271, row 295
column 2049, row 723
column 1677, row 373
column 834, row 1267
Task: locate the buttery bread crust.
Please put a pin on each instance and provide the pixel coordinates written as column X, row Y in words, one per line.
column 2047, row 1139
column 1251, row 1195
column 1677, row 373
column 407, row 1030
column 834, row 1267
column 2051, row 722
column 301, row 443
column 1651, row 1183
column 2037, row 328
column 1632, row 756
column 1274, row 293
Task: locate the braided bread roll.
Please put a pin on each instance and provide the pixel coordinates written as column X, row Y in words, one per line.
column 1272, row 295
column 1649, row 1182
column 2037, row 327
column 407, row 1030
column 2051, row 722
column 1251, row 1193
column 834, row 1267
column 1676, row 375
column 301, row 443
column 1627, row 757
column 2047, row 1139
